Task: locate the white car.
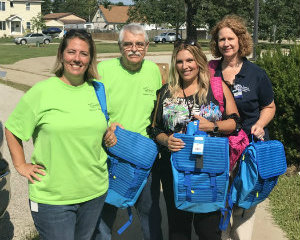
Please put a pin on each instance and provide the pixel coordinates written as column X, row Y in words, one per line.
column 166, row 37
column 33, row 38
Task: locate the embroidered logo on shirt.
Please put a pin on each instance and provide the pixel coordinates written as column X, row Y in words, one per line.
column 148, row 91
column 240, row 88
column 94, row 107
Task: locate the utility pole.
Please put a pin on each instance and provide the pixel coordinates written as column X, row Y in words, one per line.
column 255, row 32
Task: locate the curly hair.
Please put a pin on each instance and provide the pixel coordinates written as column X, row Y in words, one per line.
column 175, row 82
column 91, row 73
column 238, row 26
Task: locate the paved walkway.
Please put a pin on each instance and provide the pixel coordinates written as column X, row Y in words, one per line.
column 18, row 222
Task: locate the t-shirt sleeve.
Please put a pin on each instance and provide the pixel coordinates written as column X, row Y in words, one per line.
column 23, row 120
column 265, row 91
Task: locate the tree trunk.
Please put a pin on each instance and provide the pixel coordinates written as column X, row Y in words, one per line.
column 191, row 11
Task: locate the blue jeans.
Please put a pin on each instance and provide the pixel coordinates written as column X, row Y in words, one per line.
column 148, row 210
column 68, row 222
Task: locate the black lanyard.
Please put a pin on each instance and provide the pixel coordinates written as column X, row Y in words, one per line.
column 190, row 109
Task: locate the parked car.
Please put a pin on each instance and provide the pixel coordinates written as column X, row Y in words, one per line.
column 166, row 37
column 4, row 178
column 33, row 38
column 52, row 30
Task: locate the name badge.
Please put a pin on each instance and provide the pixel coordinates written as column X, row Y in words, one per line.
column 237, row 93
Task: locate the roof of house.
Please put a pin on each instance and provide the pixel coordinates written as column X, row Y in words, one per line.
column 65, row 18
column 55, row 16
column 115, row 14
column 30, row 1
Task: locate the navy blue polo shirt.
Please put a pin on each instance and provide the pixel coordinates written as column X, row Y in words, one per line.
column 252, row 90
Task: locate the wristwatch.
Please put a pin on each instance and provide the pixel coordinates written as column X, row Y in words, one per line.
column 216, row 128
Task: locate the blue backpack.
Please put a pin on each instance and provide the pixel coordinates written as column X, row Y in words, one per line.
column 261, row 165
column 201, row 172
column 129, row 163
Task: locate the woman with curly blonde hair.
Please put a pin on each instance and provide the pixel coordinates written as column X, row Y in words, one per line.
column 188, row 96
column 252, row 91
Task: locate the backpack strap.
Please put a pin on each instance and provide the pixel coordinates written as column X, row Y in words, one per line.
column 226, row 214
column 127, row 224
column 217, row 89
column 100, row 92
column 216, row 83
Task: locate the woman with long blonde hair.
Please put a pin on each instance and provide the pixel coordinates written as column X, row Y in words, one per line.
column 187, row 97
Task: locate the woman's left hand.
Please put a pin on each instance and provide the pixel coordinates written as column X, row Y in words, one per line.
column 204, row 124
column 110, row 139
column 258, row 131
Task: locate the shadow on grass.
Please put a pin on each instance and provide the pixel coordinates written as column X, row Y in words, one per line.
column 18, row 86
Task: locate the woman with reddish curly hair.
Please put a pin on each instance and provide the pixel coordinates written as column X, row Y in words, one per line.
column 252, row 91
column 238, row 27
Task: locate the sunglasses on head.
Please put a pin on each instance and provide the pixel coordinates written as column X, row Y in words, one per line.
column 73, row 32
column 185, row 42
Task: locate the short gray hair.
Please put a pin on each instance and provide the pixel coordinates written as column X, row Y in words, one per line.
column 135, row 29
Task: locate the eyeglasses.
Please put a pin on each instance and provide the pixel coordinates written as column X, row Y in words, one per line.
column 186, row 42
column 138, row 45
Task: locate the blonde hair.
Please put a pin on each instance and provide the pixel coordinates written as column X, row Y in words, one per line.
column 176, row 83
column 91, row 72
column 238, row 26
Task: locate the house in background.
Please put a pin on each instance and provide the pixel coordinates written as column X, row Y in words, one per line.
column 110, row 18
column 16, row 15
column 64, row 21
column 113, row 18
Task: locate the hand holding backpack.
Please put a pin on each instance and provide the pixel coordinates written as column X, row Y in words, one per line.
column 129, row 163
column 201, row 173
column 261, row 164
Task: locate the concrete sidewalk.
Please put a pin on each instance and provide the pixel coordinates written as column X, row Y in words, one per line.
column 18, row 222
column 33, row 70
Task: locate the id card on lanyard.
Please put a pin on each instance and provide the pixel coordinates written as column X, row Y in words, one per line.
column 237, row 92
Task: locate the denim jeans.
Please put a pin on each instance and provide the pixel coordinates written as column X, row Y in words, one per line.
column 67, row 222
column 148, row 210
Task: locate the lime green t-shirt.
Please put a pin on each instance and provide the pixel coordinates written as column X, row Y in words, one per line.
column 130, row 95
column 67, row 125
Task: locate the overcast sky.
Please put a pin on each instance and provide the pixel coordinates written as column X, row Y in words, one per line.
column 126, row 2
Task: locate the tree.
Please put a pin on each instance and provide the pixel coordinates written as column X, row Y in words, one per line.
column 84, row 9
column 191, row 12
column 158, row 12
column 211, row 11
column 38, row 22
column 206, row 13
column 46, row 7
column 286, row 23
column 285, row 80
column 146, row 11
column 58, row 6
column 173, row 13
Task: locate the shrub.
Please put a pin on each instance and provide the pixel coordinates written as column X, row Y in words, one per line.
column 283, row 68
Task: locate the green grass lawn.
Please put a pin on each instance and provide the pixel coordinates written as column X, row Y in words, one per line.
column 285, row 205
column 13, row 53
